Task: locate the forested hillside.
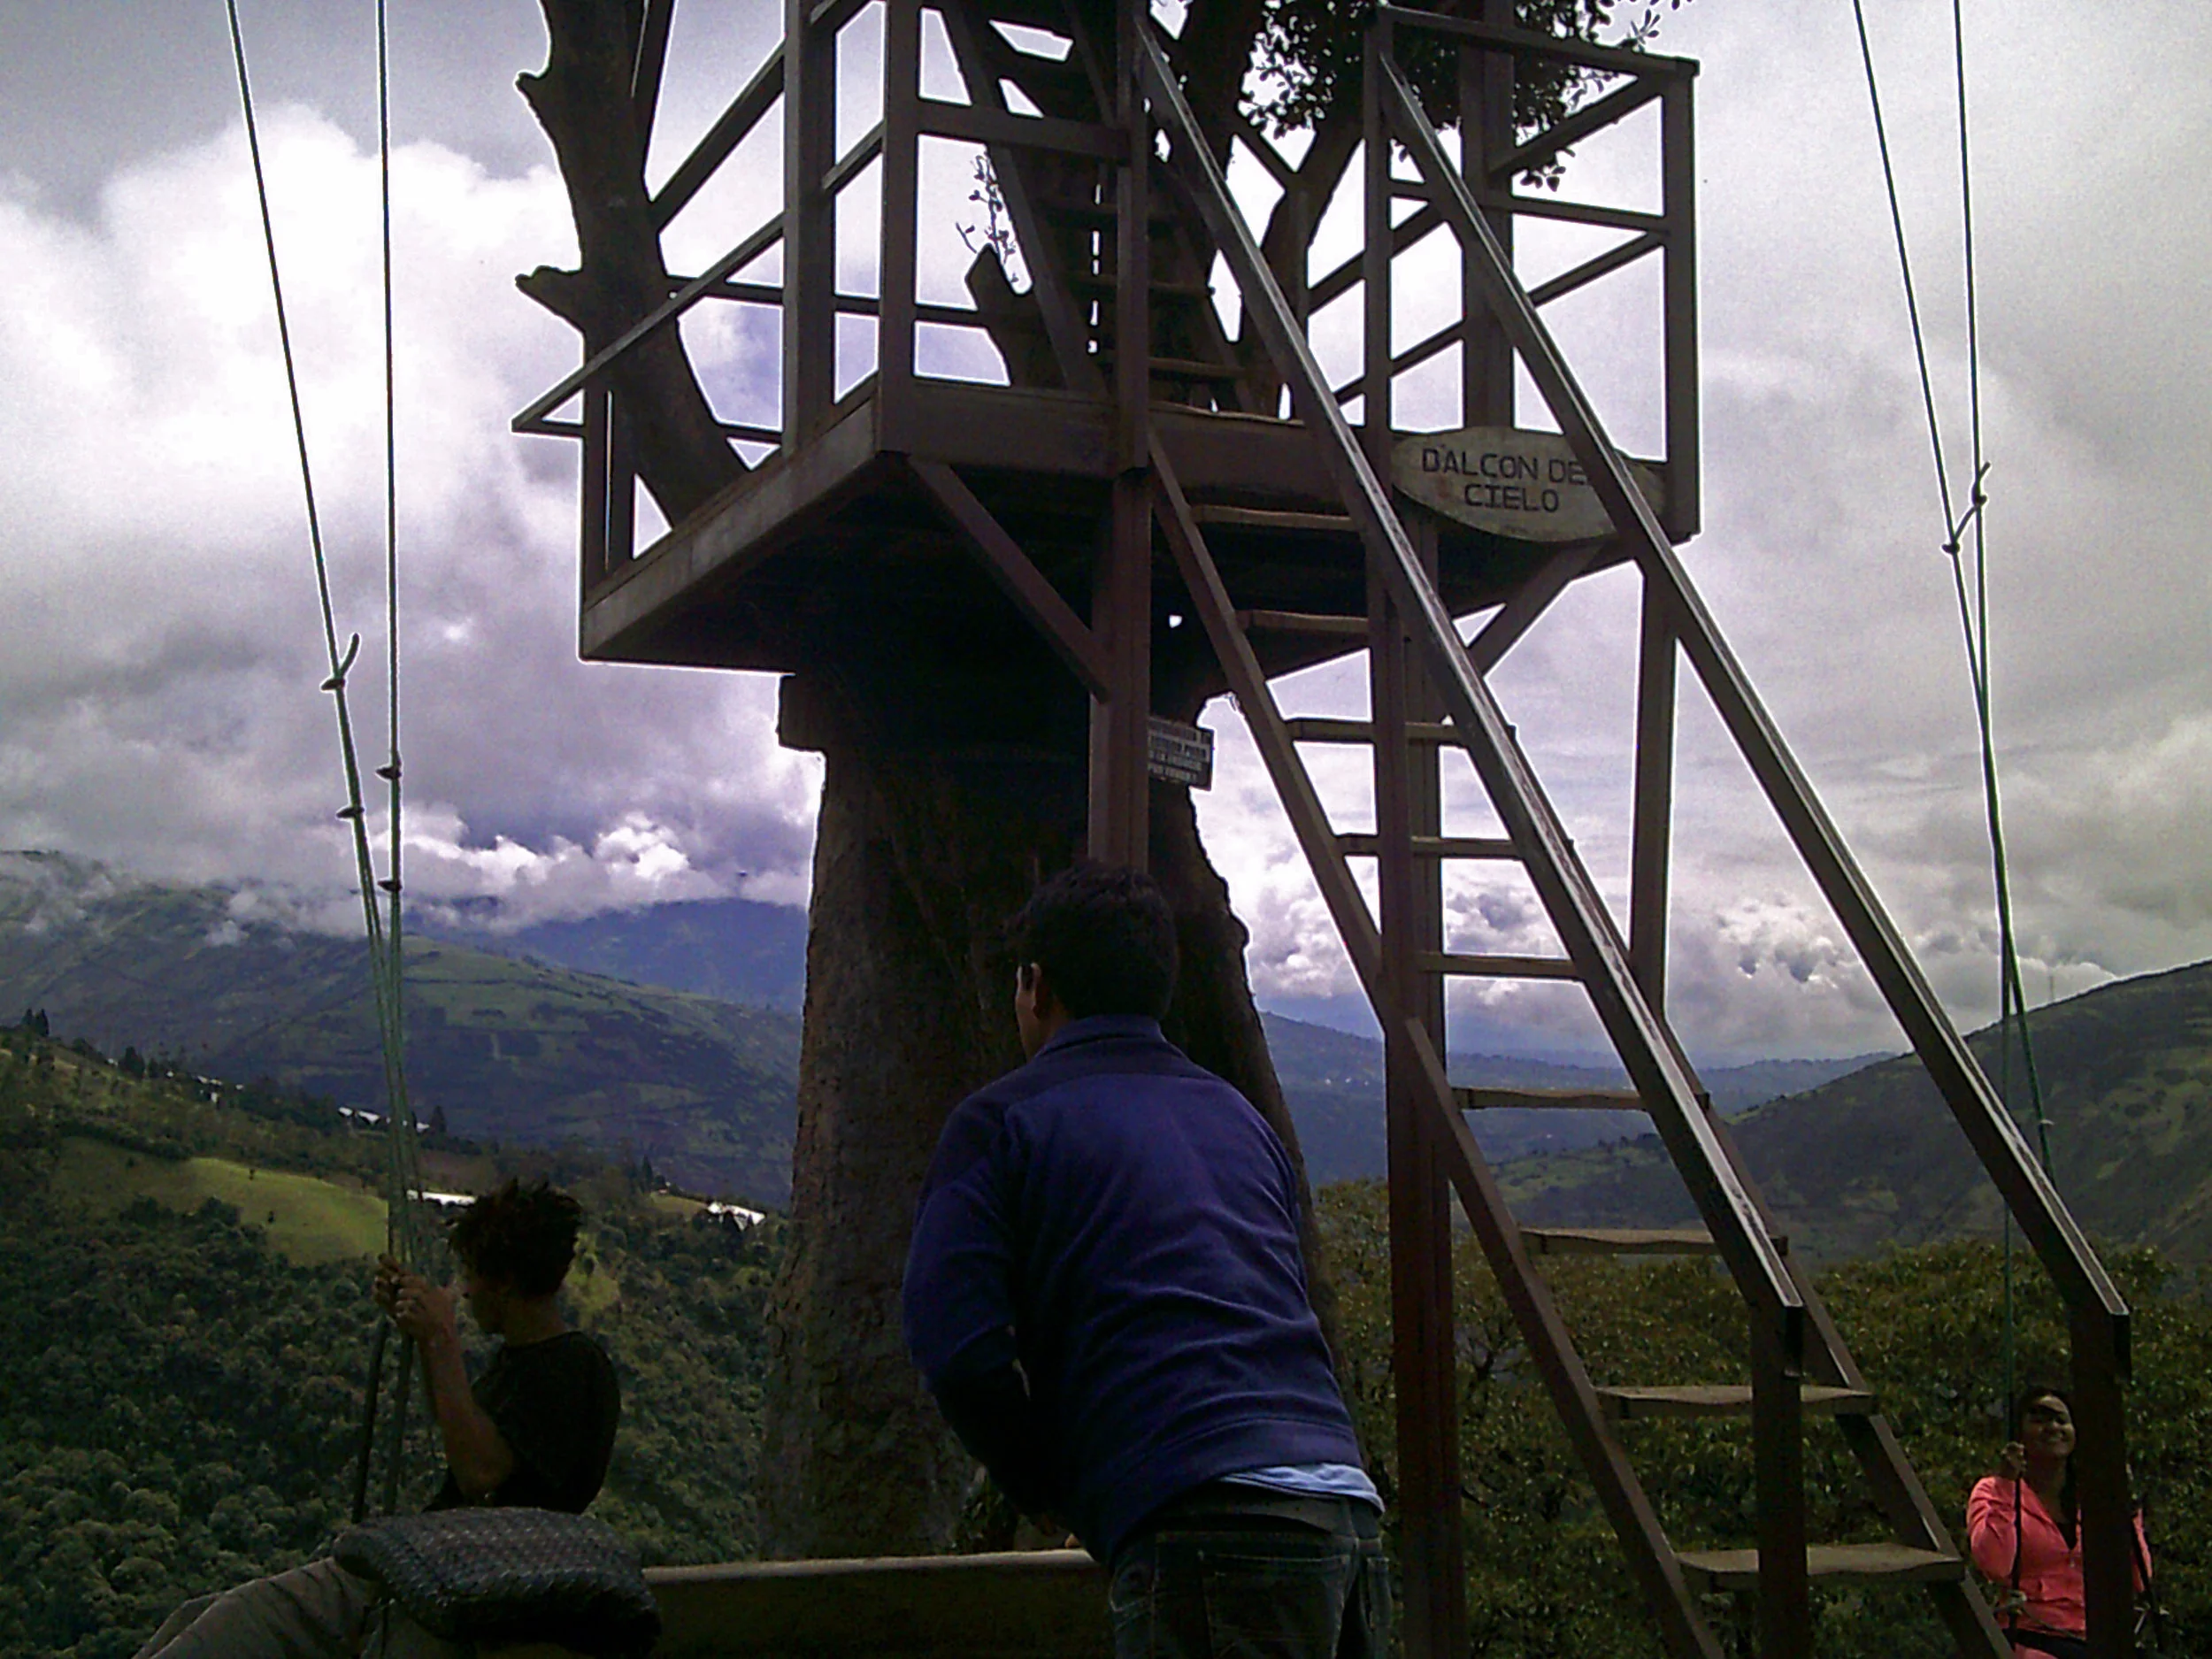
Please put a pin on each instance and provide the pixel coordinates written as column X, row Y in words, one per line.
column 180, row 1386
column 185, row 1330
column 1874, row 1159
column 517, row 1036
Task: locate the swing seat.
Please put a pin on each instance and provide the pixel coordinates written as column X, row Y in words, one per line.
column 520, row 1577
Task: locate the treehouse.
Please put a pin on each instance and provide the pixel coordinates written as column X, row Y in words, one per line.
column 1067, row 437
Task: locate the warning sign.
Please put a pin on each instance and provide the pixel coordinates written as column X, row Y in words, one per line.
column 1181, row 754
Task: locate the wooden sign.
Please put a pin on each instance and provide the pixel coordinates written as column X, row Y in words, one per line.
column 1181, row 754
column 1525, row 485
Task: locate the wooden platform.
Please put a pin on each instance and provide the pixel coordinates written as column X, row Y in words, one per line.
column 835, row 537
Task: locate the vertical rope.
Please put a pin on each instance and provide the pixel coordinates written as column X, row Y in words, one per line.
column 404, row 1232
column 1973, row 607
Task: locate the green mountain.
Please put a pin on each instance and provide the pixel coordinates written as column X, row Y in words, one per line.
column 505, row 1049
column 734, row 950
column 1333, row 1081
column 1874, row 1159
column 638, row 1051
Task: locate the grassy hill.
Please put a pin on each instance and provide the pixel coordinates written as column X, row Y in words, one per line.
column 514, row 1041
column 1874, row 1159
column 507, row 1050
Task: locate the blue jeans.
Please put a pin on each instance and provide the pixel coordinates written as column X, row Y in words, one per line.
column 1232, row 1573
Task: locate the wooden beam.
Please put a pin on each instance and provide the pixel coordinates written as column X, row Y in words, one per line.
column 978, row 125
column 1612, row 60
column 1021, row 581
column 731, row 128
column 1616, row 105
column 678, row 303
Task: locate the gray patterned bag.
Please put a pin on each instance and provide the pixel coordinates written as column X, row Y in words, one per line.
column 511, row 1576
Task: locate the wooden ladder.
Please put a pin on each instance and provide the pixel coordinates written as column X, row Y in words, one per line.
column 1429, row 691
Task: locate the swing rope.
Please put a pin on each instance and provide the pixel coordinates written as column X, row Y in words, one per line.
column 406, row 1237
column 1973, row 607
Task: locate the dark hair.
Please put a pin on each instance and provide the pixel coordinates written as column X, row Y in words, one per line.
column 523, row 1237
column 1105, row 938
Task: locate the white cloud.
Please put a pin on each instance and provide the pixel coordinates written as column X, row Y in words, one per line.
column 160, row 654
column 1821, row 552
column 159, row 650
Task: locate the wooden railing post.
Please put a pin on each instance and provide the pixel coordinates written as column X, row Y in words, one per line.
column 809, row 222
column 902, row 145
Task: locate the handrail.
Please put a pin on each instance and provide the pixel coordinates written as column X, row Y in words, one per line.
column 2041, row 1212
column 751, row 248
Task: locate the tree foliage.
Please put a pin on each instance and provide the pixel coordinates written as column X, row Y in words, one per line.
column 1308, row 55
column 179, row 1404
column 1545, row 1576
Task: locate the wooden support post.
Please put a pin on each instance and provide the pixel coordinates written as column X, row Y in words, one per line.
column 902, row 150
column 1424, row 1359
column 2100, row 1476
column 1652, row 832
column 1679, row 205
column 1409, row 802
column 1486, row 131
column 810, row 223
column 1121, row 609
column 621, row 485
column 598, row 424
column 1777, row 1448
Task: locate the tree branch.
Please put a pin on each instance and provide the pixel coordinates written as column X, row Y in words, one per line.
column 582, row 99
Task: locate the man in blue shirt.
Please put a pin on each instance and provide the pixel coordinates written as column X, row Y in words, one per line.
column 1105, row 1294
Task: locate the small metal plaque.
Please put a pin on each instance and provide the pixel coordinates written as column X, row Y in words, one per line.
column 1526, row 484
column 1180, row 754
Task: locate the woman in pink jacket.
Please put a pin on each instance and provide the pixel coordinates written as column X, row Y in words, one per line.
column 2025, row 1532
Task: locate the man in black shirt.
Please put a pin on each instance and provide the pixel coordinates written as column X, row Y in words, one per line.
column 535, row 1430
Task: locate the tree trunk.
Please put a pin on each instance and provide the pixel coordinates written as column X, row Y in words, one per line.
column 582, row 100
column 922, row 854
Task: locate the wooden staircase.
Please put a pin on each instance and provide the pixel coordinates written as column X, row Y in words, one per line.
column 1429, row 691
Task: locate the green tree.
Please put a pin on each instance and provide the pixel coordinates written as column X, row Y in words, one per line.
column 1546, row 1578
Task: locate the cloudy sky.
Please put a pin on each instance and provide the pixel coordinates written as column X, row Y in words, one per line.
column 159, row 651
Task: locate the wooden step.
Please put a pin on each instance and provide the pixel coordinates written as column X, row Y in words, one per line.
column 1617, row 1241
column 1106, row 282
column 1184, row 369
column 1726, row 1400
column 1467, row 966
column 1318, row 731
column 1359, row 845
column 1826, row 1563
column 1098, row 215
column 1192, row 369
column 1581, row 1100
column 1302, row 622
column 1266, row 519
